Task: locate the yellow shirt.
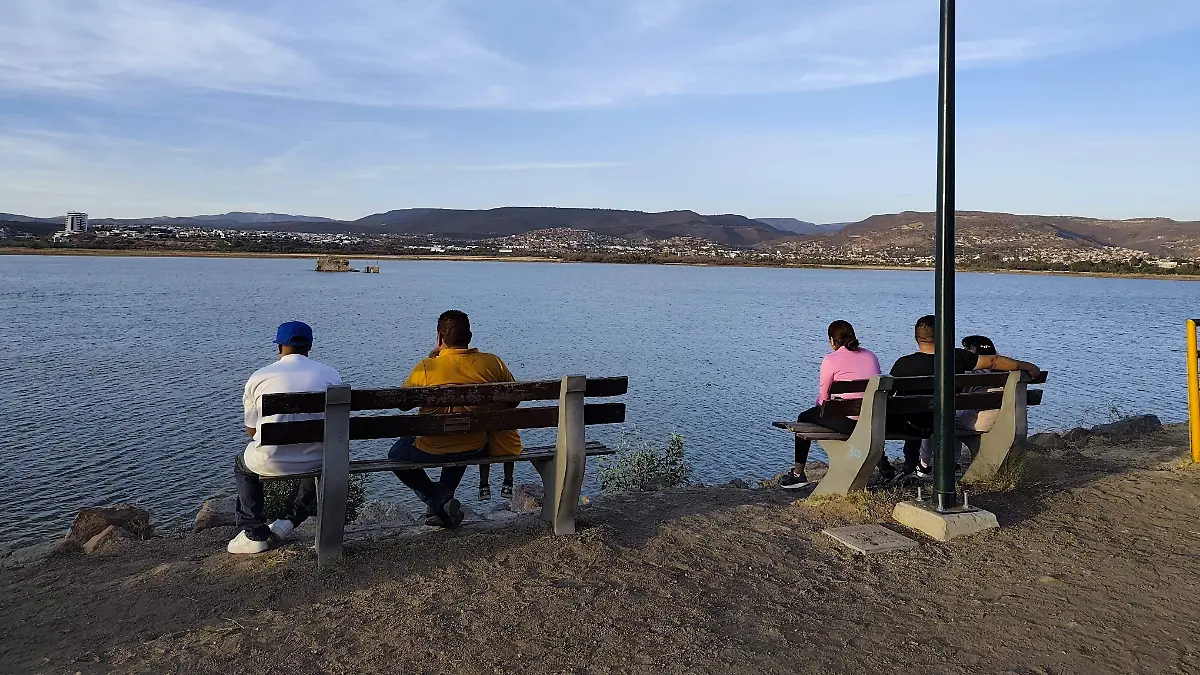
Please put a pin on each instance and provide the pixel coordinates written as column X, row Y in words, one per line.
column 463, row 366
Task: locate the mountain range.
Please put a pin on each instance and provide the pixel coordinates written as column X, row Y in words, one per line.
column 798, row 226
column 908, row 231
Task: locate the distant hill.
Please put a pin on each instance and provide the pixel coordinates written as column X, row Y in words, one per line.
column 801, row 226
column 228, row 219
column 726, row 229
column 987, row 232
column 16, row 218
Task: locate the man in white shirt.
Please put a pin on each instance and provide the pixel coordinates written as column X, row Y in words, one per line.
column 294, row 372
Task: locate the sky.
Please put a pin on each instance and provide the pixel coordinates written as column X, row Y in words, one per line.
column 822, row 110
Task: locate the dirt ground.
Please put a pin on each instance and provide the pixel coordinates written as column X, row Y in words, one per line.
column 1096, row 569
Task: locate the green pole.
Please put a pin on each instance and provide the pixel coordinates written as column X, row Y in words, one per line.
column 944, row 445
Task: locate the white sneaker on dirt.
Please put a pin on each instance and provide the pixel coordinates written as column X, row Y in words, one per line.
column 282, row 528
column 244, row 545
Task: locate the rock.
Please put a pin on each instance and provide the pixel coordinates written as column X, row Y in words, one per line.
column 92, row 521
column 1047, row 441
column 377, row 512
column 1130, row 427
column 1077, row 436
column 36, row 553
column 739, row 483
column 110, row 534
column 526, row 498
column 216, row 512
column 68, row 545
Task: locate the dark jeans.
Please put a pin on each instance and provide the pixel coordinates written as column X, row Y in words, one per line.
column 419, row 482
column 251, row 504
column 842, row 425
column 912, row 425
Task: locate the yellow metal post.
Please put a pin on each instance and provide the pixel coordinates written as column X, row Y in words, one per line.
column 1193, row 390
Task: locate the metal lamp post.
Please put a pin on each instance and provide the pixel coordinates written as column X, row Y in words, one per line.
column 945, row 447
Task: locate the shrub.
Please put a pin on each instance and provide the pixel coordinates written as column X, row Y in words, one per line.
column 645, row 466
column 276, row 493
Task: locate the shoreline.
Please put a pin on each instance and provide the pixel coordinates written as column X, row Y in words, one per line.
column 143, row 253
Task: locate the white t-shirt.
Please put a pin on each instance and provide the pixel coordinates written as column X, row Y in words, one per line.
column 291, row 374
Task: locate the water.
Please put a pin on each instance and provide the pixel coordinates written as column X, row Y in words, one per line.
column 121, row 378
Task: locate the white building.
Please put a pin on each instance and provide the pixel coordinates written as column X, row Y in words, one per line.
column 76, row 223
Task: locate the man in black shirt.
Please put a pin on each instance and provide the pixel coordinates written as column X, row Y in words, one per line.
column 920, row 364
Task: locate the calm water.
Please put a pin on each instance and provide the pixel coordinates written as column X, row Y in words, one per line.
column 121, row 378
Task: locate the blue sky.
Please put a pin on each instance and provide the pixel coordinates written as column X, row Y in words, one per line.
column 822, row 110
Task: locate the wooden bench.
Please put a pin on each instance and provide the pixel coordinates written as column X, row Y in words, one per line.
column 853, row 457
column 560, row 466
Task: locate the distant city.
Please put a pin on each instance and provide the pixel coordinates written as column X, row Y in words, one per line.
column 984, row 240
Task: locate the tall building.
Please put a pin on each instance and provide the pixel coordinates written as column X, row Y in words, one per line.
column 76, row 223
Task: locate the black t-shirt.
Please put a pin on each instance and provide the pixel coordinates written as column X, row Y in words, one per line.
column 921, row 364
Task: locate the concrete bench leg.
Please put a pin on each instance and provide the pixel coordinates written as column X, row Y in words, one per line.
column 334, row 485
column 850, row 466
column 992, row 449
column 545, row 469
column 851, row 461
column 570, row 453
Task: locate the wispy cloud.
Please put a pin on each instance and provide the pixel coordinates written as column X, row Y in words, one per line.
column 433, row 53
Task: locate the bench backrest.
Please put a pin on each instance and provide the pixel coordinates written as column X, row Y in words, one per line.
column 920, row 399
column 485, row 396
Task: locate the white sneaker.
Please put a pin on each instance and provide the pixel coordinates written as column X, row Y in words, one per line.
column 242, row 544
column 282, row 528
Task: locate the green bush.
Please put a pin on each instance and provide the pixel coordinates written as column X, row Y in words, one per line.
column 645, row 466
column 276, row 493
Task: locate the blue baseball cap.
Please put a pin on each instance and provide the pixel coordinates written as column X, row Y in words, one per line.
column 294, row 334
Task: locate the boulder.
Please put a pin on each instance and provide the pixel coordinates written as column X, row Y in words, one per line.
column 526, row 498
column 1047, row 441
column 110, row 534
column 1130, row 427
column 90, row 522
column 739, row 483
column 29, row 555
column 216, row 512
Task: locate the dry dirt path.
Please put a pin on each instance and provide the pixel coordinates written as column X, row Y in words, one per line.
column 1095, row 570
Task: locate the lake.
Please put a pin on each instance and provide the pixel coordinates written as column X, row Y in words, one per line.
column 121, row 378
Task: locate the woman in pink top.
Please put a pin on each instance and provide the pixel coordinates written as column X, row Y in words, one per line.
column 846, row 361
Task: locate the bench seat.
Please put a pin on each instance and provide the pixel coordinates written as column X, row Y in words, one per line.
column 544, row 452
column 816, row 432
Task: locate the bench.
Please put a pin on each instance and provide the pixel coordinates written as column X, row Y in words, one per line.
column 853, row 457
column 560, row 466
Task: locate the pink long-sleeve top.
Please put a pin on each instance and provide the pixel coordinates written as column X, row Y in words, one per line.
column 843, row 365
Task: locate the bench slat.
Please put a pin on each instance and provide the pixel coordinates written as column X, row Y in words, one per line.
column 905, row 405
column 396, row 426
column 816, row 432
column 593, row 449
column 444, row 396
column 926, row 383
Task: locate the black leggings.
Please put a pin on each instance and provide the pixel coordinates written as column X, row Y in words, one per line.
column 842, row 425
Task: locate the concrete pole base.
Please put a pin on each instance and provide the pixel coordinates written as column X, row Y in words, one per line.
column 943, row 526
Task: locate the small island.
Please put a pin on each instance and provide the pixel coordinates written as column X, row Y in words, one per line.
column 329, row 263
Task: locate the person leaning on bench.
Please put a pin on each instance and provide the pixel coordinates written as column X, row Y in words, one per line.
column 920, row 364
column 453, row 361
column 294, row 372
column 847, row 360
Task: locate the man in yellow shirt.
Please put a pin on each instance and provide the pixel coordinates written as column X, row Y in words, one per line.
column 452, row 362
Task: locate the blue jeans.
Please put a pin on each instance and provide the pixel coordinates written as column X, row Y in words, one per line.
column 250, row 502
column 419, row 482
